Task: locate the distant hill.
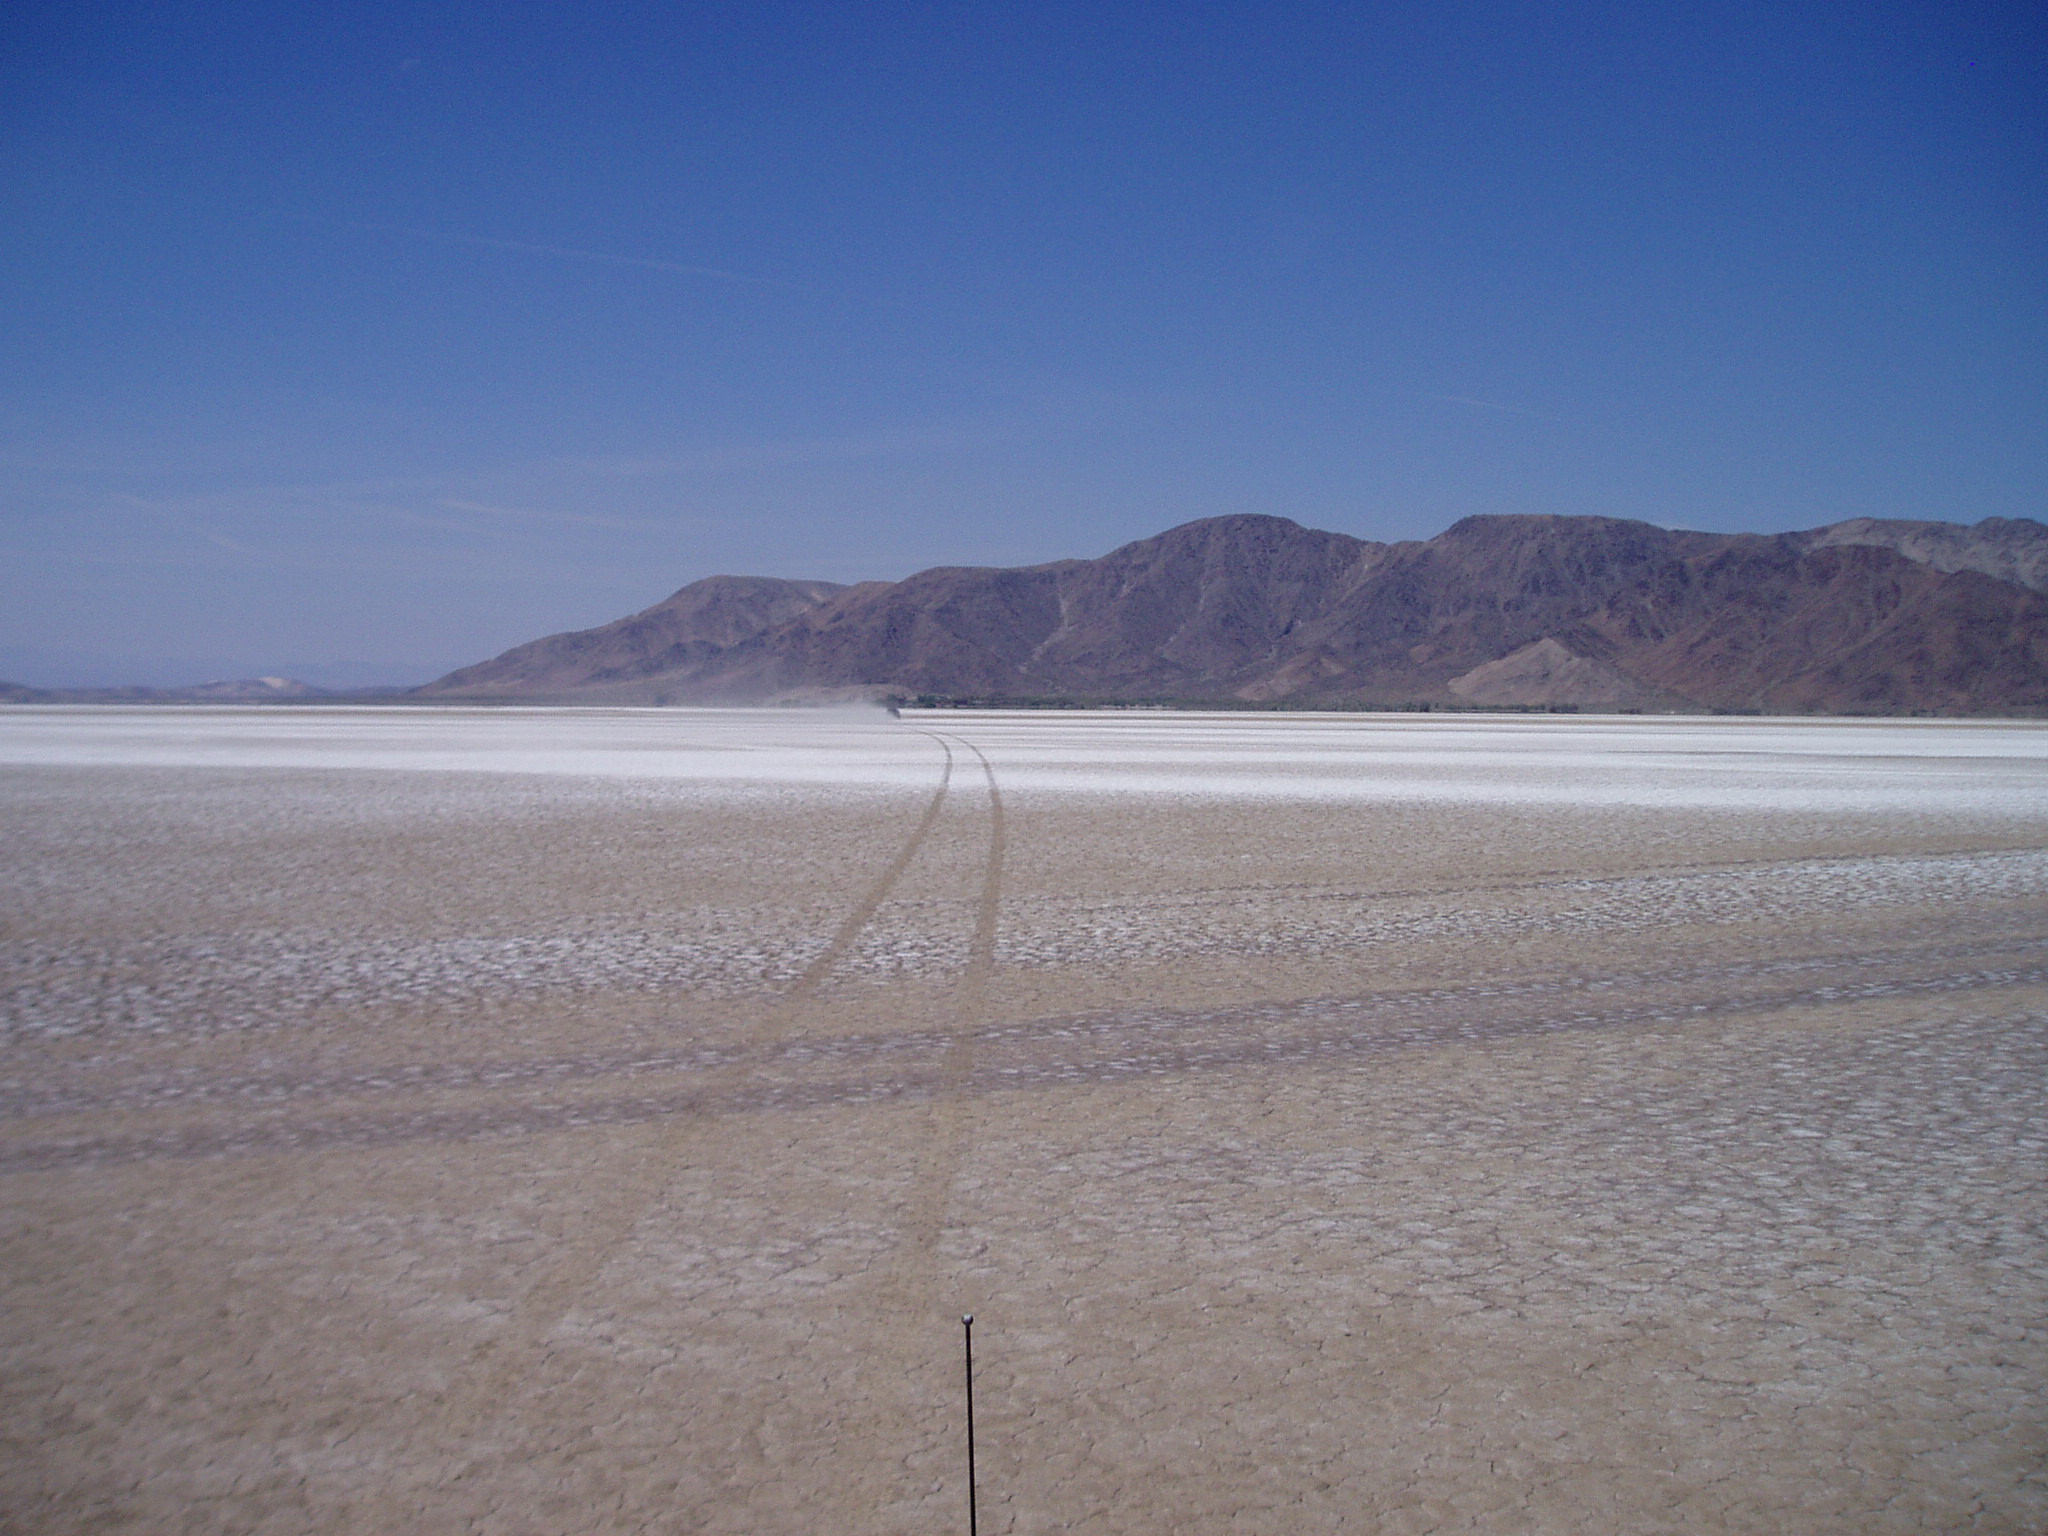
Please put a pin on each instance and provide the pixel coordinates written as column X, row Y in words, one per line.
column 241, row 690
column 690, row 629
column 1591, row 612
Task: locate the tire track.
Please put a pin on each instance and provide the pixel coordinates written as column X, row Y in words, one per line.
column 210, row 986
column 904, row 1359
column 1076, row 1050
column 644, row 1165
column 261, row 1092
column 864, row 910
column 913, row 1275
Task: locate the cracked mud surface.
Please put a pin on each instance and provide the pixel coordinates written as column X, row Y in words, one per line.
column 418, row 1150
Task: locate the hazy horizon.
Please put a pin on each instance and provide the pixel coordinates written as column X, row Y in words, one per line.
column 397, row 337
column 46, row 668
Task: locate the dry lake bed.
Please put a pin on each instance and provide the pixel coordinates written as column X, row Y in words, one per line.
column 564, row 1121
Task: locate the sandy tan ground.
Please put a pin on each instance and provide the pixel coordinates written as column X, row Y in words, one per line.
column 436, row 1152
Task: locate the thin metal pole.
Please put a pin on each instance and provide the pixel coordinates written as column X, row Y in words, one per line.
column 967, row 1339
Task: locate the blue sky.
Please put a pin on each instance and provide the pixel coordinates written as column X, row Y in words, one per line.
column 368, row 340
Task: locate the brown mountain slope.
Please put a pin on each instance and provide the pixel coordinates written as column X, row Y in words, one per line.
column 1201, row 610
column 690, row 626
column 1842, row 628
column 1209, row 602
column 1720, row 620
column 1599, row 612
column 1482, row 589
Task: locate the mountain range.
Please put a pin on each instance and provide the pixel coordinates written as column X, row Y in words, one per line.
column 1864, row 616
column 245, row 690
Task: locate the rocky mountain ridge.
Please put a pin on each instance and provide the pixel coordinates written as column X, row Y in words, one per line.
column 1522, row 611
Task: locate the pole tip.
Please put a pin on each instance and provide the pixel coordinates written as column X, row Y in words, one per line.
column 967, row 1319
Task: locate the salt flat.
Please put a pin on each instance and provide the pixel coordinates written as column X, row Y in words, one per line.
column 596, row 1120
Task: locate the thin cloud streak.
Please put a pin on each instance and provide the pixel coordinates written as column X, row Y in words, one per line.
column 1493, row 405
column 220, row 540
column 908, row 442
column 578, row 253
column 578, row 519
column 375, row 500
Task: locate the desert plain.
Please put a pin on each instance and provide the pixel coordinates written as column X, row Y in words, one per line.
column 577, row 1120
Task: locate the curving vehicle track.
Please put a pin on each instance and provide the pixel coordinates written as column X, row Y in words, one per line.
column 653, row 1161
